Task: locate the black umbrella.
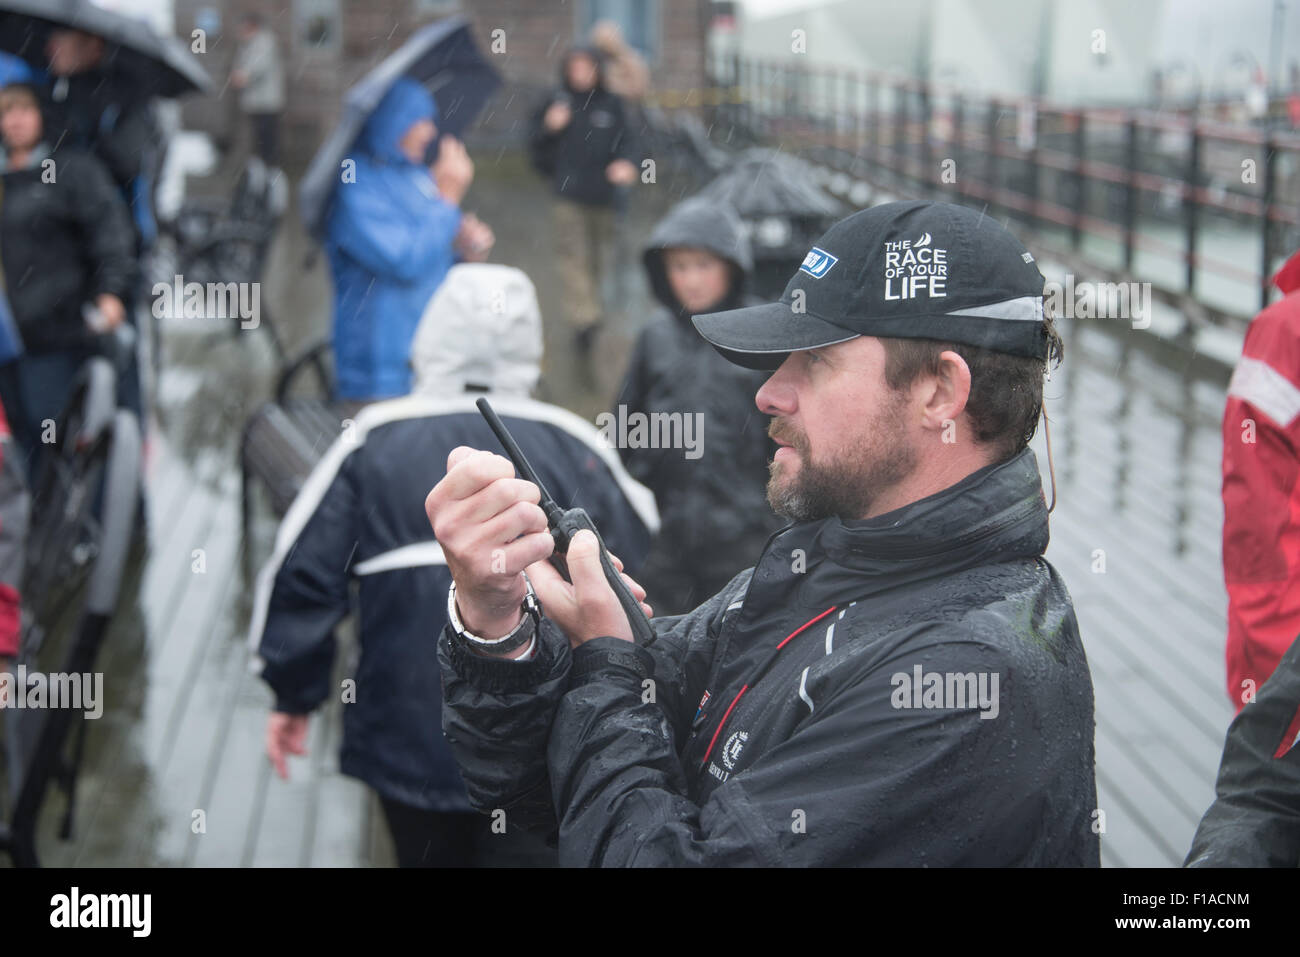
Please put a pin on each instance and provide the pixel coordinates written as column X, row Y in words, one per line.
column 444, row 58
column 159, row 65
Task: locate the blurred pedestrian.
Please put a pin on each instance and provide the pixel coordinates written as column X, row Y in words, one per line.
column 1261, row 492
column 580, row 139
column 15, row 506
column 712, row 497
column 258, row 75
column 395, row 229
column 359, row 521
column 66, row 246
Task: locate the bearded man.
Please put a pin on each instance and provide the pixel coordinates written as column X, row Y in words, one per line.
column 899, row 678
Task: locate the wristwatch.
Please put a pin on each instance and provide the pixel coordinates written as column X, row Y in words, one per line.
column 521, row 635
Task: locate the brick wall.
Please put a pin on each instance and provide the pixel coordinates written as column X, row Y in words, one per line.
column 536, row 34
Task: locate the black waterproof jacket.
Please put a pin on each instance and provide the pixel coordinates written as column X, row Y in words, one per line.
column 775, row 723
column 574, row 158
column 713, row 499
column 1255, row 818
column 65, row 237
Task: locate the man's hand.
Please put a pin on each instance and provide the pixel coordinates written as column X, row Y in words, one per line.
column 474, row 239
column 238, row 79
column 285, row 734
column 111, row 308
column 490, row 528
column 621, row 172
column 453, row 171
column 557, row 117
column 588, row 608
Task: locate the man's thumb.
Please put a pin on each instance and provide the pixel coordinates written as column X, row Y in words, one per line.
column 583, row 559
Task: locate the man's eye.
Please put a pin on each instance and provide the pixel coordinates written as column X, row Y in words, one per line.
column 813, row 356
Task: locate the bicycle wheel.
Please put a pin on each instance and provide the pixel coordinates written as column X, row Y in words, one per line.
column 65, row 530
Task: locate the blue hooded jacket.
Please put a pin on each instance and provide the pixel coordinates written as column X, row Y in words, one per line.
column 389, row 241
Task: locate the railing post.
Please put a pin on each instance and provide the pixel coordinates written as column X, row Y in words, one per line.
column 1080, row 181
column 900, row 127
column 1266, row 246
column 991, row 152
column 1130, row 190
column 877, row 144
column 1191, row 207
column 1032, row 161
column 927, row 175
column 959, row 143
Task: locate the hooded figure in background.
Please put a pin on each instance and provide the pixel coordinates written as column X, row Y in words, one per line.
column 395, row 229
column 581, row 141
column 711, row 489
column 360, row 520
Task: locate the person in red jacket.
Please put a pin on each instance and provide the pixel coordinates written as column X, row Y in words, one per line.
column 14, row 503
column 1261, row 497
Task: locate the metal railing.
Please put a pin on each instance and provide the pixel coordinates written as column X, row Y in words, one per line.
column 1128, row 182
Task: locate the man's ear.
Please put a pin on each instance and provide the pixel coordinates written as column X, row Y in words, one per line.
column 949, row 391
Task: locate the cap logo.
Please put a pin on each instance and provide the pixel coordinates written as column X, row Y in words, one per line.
column 915, row 269
column 818, row 262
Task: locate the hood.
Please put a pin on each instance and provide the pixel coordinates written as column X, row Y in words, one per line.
column 996, row 514
column 704, row 223
column 1287, row 278
column 405, row 103
column 590, row 51
column 483, row 328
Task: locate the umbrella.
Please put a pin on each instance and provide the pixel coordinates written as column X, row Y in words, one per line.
column 767, row 182
column 161, row 65
column 443, row 57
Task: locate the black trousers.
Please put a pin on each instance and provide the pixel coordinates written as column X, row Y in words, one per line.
column 459, row 839
column 266, row 136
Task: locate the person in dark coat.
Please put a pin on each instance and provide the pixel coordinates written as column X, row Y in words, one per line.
column 1255, row 818
column 581, row 141
column 899, row 680
column 359, row 521
column 712, row 495
column 66, row 247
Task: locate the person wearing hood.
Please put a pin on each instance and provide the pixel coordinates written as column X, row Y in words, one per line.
column 1261, row 492
column 899, row 680
column 394, row 230
column 711, row 491
column 581, row 141
column 359, row 521
column 66, row 248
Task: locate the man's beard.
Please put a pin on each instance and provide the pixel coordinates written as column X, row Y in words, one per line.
column 848, row 485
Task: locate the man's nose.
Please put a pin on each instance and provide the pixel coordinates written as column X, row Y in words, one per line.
column 776, row 396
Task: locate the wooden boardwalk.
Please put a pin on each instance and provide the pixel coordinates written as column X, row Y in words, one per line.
column 1135, row 536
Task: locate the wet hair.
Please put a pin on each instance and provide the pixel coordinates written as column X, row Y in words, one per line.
column 19, row 94
column 1006, row 391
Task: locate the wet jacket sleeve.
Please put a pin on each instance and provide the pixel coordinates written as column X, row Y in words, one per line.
column 543, row 143
column 309, row 597
column 621, row 791
column 105, row 221
column 1261, row 466
column 388, row 241
column 1255, row 818
column 497, row 714
column 14, row 510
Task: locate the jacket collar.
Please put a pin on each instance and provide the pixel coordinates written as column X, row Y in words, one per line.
column 997, row 514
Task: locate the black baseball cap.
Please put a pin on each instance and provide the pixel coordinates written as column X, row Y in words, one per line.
column 910, row 270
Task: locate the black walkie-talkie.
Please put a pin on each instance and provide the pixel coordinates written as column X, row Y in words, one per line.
column 567, row 522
